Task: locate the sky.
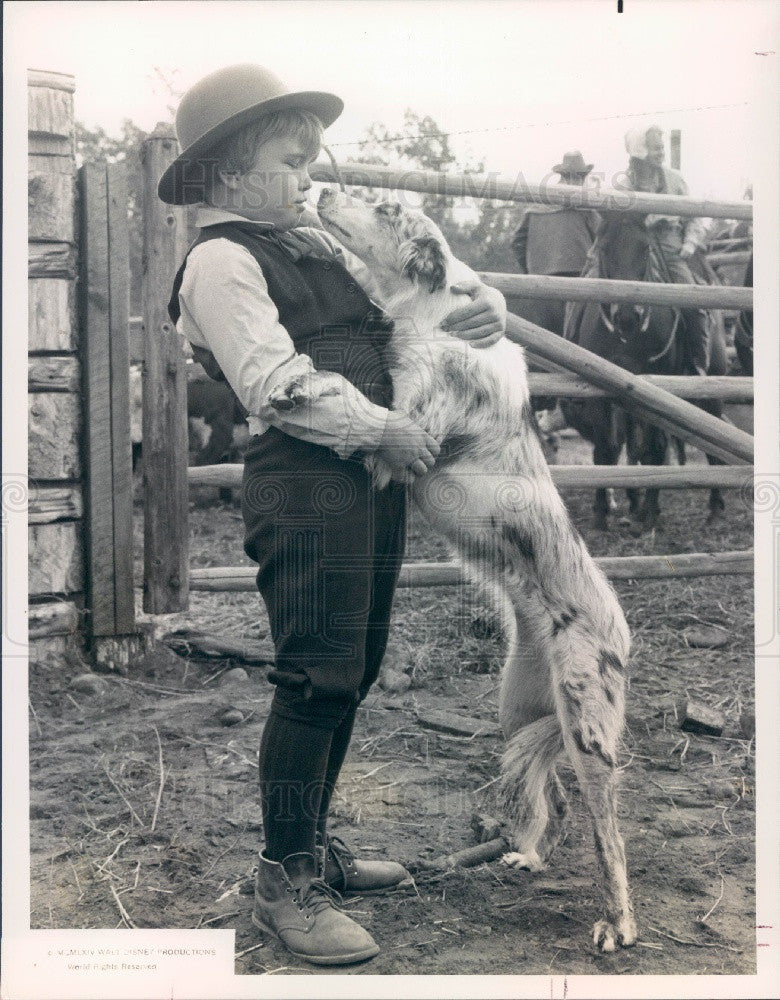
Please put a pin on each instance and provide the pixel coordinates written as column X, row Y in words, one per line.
column 516, row 82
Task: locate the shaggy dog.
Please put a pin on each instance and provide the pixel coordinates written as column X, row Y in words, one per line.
column 490, row 493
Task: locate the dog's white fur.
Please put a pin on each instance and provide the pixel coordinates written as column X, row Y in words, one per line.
column 490, row 493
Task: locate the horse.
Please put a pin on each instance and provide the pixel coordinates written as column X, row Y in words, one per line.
column 644, row 339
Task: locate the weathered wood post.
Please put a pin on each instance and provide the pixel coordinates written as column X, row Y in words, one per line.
column 166, row 527
column 675, row 150
column 108, row 488
column 56, row 566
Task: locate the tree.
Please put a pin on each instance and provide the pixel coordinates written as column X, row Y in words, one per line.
column 483, row 243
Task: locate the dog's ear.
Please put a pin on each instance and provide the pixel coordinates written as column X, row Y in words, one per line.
column 424, row 261
column 390, row 209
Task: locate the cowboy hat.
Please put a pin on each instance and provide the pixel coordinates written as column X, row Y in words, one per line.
column 573, row 163
column 219, row 105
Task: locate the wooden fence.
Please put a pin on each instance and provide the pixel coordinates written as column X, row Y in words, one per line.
column 104, row 278
column 80, row 505
column 448, row 574
column 491, row 187
column 164, row 426
column 56, row 577
column 571, row 371
column 542, row 286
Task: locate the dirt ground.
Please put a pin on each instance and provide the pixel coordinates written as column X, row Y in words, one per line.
column 112, row 846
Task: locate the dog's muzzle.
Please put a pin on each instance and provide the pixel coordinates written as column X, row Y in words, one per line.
column 327, row 197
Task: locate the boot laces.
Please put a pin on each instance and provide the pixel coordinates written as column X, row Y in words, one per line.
column 340, row 850
column 317, row 895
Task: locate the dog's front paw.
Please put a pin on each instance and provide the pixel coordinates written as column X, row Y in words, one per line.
column 529, row 862
column 303, row 389
column 380, row 471
column 607, row 936
column 282, row 399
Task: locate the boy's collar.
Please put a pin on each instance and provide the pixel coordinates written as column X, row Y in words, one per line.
column 208, row 215
column 303, row 241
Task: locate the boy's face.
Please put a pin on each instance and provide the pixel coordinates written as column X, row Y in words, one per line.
column 274, row 190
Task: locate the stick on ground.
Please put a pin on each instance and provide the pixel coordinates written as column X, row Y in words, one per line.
column 468, row 857
column 125, row 915
column 162, row 780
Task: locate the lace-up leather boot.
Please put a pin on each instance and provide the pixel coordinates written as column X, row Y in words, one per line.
column 346, row 873
column 299, row 908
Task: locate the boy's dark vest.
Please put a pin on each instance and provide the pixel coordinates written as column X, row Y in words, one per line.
column 327, row 314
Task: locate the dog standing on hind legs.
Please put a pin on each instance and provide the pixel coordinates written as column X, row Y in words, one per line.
column 490, row 493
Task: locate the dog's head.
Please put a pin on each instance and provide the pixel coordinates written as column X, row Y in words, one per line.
column 388, row 237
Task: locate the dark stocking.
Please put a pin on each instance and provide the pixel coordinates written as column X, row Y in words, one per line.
column 294, row 759
column 338, row 751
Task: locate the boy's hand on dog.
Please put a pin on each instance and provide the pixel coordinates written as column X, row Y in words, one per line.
column 408, row 449
column 482, row 321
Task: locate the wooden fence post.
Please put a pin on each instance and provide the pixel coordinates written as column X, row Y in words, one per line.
column 166, row 499
column 105, row 360
column 675, row 148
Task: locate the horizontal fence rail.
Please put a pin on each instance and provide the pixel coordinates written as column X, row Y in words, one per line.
column 448, row 574
column 538, row 286
column 732, row 243
column 736, row 257
column 675, row 477
column 486, row 186
column 727, row 388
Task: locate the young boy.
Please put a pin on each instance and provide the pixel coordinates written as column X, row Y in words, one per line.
column 259, row 296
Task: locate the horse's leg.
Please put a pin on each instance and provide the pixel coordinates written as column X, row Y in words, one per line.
column 606, row 450
column 717, row 505
column 634, row 449
column 718, row 366
column 655, row 453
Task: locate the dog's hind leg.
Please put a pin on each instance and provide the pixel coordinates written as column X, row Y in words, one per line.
column 590, row 710
column 531, row 795
column 598, row 782
column 526, row 692
column 532, row 798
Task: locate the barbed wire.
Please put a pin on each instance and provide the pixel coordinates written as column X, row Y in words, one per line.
column 520, row 125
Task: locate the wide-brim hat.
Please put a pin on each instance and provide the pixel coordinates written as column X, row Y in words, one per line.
column 219, row 105
column 573, row 163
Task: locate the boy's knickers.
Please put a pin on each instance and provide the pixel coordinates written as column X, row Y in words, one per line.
column 329, row 550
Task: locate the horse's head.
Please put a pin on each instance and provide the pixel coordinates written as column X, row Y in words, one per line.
column 642, row 333
column 624, row 246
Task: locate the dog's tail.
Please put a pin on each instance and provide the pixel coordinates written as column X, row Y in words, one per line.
column 531, row 796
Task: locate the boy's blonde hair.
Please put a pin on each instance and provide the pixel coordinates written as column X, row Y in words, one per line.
column 237, row 153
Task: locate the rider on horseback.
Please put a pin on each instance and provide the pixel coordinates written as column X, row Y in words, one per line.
column 676, row 239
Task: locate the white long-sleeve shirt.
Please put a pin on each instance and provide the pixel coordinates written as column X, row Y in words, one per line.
column 226, row 308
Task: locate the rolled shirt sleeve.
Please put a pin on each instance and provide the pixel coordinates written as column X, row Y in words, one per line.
column 226, row 308
column 695, row 230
